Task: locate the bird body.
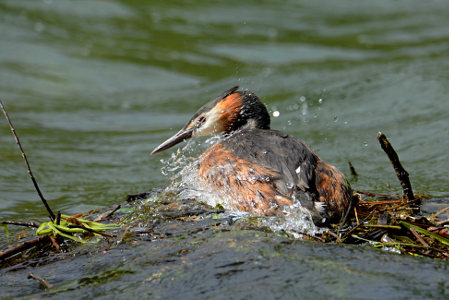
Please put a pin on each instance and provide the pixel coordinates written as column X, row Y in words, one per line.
column 261, row 170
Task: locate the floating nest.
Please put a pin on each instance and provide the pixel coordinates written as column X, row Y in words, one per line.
column 394, row 224
column 383, row 221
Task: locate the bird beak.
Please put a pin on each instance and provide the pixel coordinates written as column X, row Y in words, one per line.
column 182, row 135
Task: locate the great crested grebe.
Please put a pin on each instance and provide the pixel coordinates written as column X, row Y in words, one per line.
column 259, row 169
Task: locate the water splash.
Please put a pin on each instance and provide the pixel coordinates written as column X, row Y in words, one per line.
column 178, row 160
column 182, row 169
column 304, row 105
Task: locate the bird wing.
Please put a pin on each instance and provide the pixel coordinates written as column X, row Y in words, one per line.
column 290, row 157
column 261, row 170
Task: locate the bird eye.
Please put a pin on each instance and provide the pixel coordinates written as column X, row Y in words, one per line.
column 202, row 119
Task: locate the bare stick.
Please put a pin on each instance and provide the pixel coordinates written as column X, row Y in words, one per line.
column 107, row 213
column 389, row 196
column 23, row 246
column 442, row 223
column 352, row 169
column 50, row 212
column 92, row 230
column 27, row 224
column 401, row 173
column 42, row 281
column 418, row 237
column 58, row 218
column 54, row 242
column 433, row 216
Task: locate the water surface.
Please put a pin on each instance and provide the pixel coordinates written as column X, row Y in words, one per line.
column 92, row 87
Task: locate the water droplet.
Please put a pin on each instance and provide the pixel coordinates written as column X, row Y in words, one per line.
column 365, row 144
column 276, row 113
column 302, row 99
column 320, row 101
column 304, row 108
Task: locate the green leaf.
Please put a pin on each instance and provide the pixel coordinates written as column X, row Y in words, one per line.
column 57, row 231
column 64, row 228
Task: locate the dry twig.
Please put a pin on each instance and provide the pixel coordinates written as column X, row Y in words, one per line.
column 401, row 173
column 27, row 224
column 352, row 169
column 418, row 237
column 50, row 212
column 42, row 281
column 23, row 246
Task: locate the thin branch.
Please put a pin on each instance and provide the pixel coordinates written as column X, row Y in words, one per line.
column 42, row 281
column 369, row 194
column 372, row 203
column 433, row 216
column 401, row 173
column 23, row 246
column 418, row 237
column 54, row 242
column 352, row 169
column 107, row 213
column 92, row 230
column 442, row 223
column 58, row 218
column 27, row 224
column 50, row 212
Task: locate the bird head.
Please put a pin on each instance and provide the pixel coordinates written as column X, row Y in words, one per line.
column 231, row 111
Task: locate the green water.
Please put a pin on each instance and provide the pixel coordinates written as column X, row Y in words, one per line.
column 93, row 86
